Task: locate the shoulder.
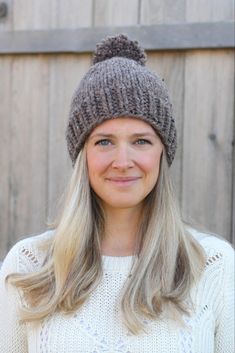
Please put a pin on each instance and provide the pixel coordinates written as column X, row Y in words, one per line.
column 217, row 249
column 217, row 280
column 211, row 242
column 27, row 254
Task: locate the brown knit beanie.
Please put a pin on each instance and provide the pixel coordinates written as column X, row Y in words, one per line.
column 118, row 84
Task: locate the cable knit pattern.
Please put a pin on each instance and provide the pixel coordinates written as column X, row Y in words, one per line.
column 97, row 327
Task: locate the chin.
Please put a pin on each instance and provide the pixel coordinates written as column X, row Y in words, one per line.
column 122, row 204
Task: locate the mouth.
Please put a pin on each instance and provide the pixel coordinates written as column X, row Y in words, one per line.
column 123, row 181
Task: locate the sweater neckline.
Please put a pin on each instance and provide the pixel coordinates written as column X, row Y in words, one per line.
column 117, row 263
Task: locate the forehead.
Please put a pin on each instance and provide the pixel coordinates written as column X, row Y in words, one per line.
column 124, row 124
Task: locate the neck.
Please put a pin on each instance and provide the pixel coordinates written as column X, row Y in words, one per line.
column 121, row 230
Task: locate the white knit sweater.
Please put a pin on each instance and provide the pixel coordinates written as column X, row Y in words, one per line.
column 97, row 327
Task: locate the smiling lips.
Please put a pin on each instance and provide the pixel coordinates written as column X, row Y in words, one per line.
column 123, row 180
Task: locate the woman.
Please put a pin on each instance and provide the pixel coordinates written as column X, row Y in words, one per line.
column 119, row 271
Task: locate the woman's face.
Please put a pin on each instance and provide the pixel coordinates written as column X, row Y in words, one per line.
column 123, row 158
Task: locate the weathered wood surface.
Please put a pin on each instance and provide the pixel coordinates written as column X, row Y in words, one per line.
column 170, row 66
column 36, row 90
column 154, row 37
column 115, row 13
column 28, row 146
column 65, row 73
column 208, row 135
column 208, row 126
column 5, row 149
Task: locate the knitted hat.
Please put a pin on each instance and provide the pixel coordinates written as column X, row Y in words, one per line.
column 118, row 84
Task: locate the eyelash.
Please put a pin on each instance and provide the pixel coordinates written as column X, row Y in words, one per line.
column 100, row 142
column 145, row 141
column 106, row 140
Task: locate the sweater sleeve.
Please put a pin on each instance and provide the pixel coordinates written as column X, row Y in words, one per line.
column 13, row 337
column 224, row 336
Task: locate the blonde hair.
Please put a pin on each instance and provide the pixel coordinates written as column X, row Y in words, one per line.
column 169, row 260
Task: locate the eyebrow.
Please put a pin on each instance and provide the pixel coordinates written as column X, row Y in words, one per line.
column 138, row 134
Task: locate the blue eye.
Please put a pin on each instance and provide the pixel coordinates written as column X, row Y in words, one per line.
column 143, row 142
column 103, row 142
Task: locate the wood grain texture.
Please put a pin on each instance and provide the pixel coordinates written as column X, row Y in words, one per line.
column 5, row 137
column 66, row 72
column 27, row 172
column 73, row 13
column 5, row 141
column 28, row 148
column 39, row 96
column 152, row 37
column 209, row 100
column 44, row 14
column 170, row 66
column 115, row 12
column 162, row 12
column 208, row 134
column 32, row 14
column 203, row 11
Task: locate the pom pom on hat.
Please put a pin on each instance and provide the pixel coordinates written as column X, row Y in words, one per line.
column 119, row 46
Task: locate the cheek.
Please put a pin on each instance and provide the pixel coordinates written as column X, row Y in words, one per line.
column 151, row 163
column 96, row 164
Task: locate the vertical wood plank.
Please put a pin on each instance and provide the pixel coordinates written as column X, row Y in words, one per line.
column 32, row 14
column 115, row 12
column 66, row 72
column 208, row 134
column 28, row 128
column 170, row 66
column 28, row 150
column 159, row 12
column 5, row 141
column 44, row 14
column 74, row 13
column 216, row 10
column 210, row 75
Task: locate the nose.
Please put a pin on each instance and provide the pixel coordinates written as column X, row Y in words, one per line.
column 122, row 158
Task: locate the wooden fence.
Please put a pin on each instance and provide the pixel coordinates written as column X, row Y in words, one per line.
column 45, row 48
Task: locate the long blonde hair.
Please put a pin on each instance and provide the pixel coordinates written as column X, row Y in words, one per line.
column 169, row 260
